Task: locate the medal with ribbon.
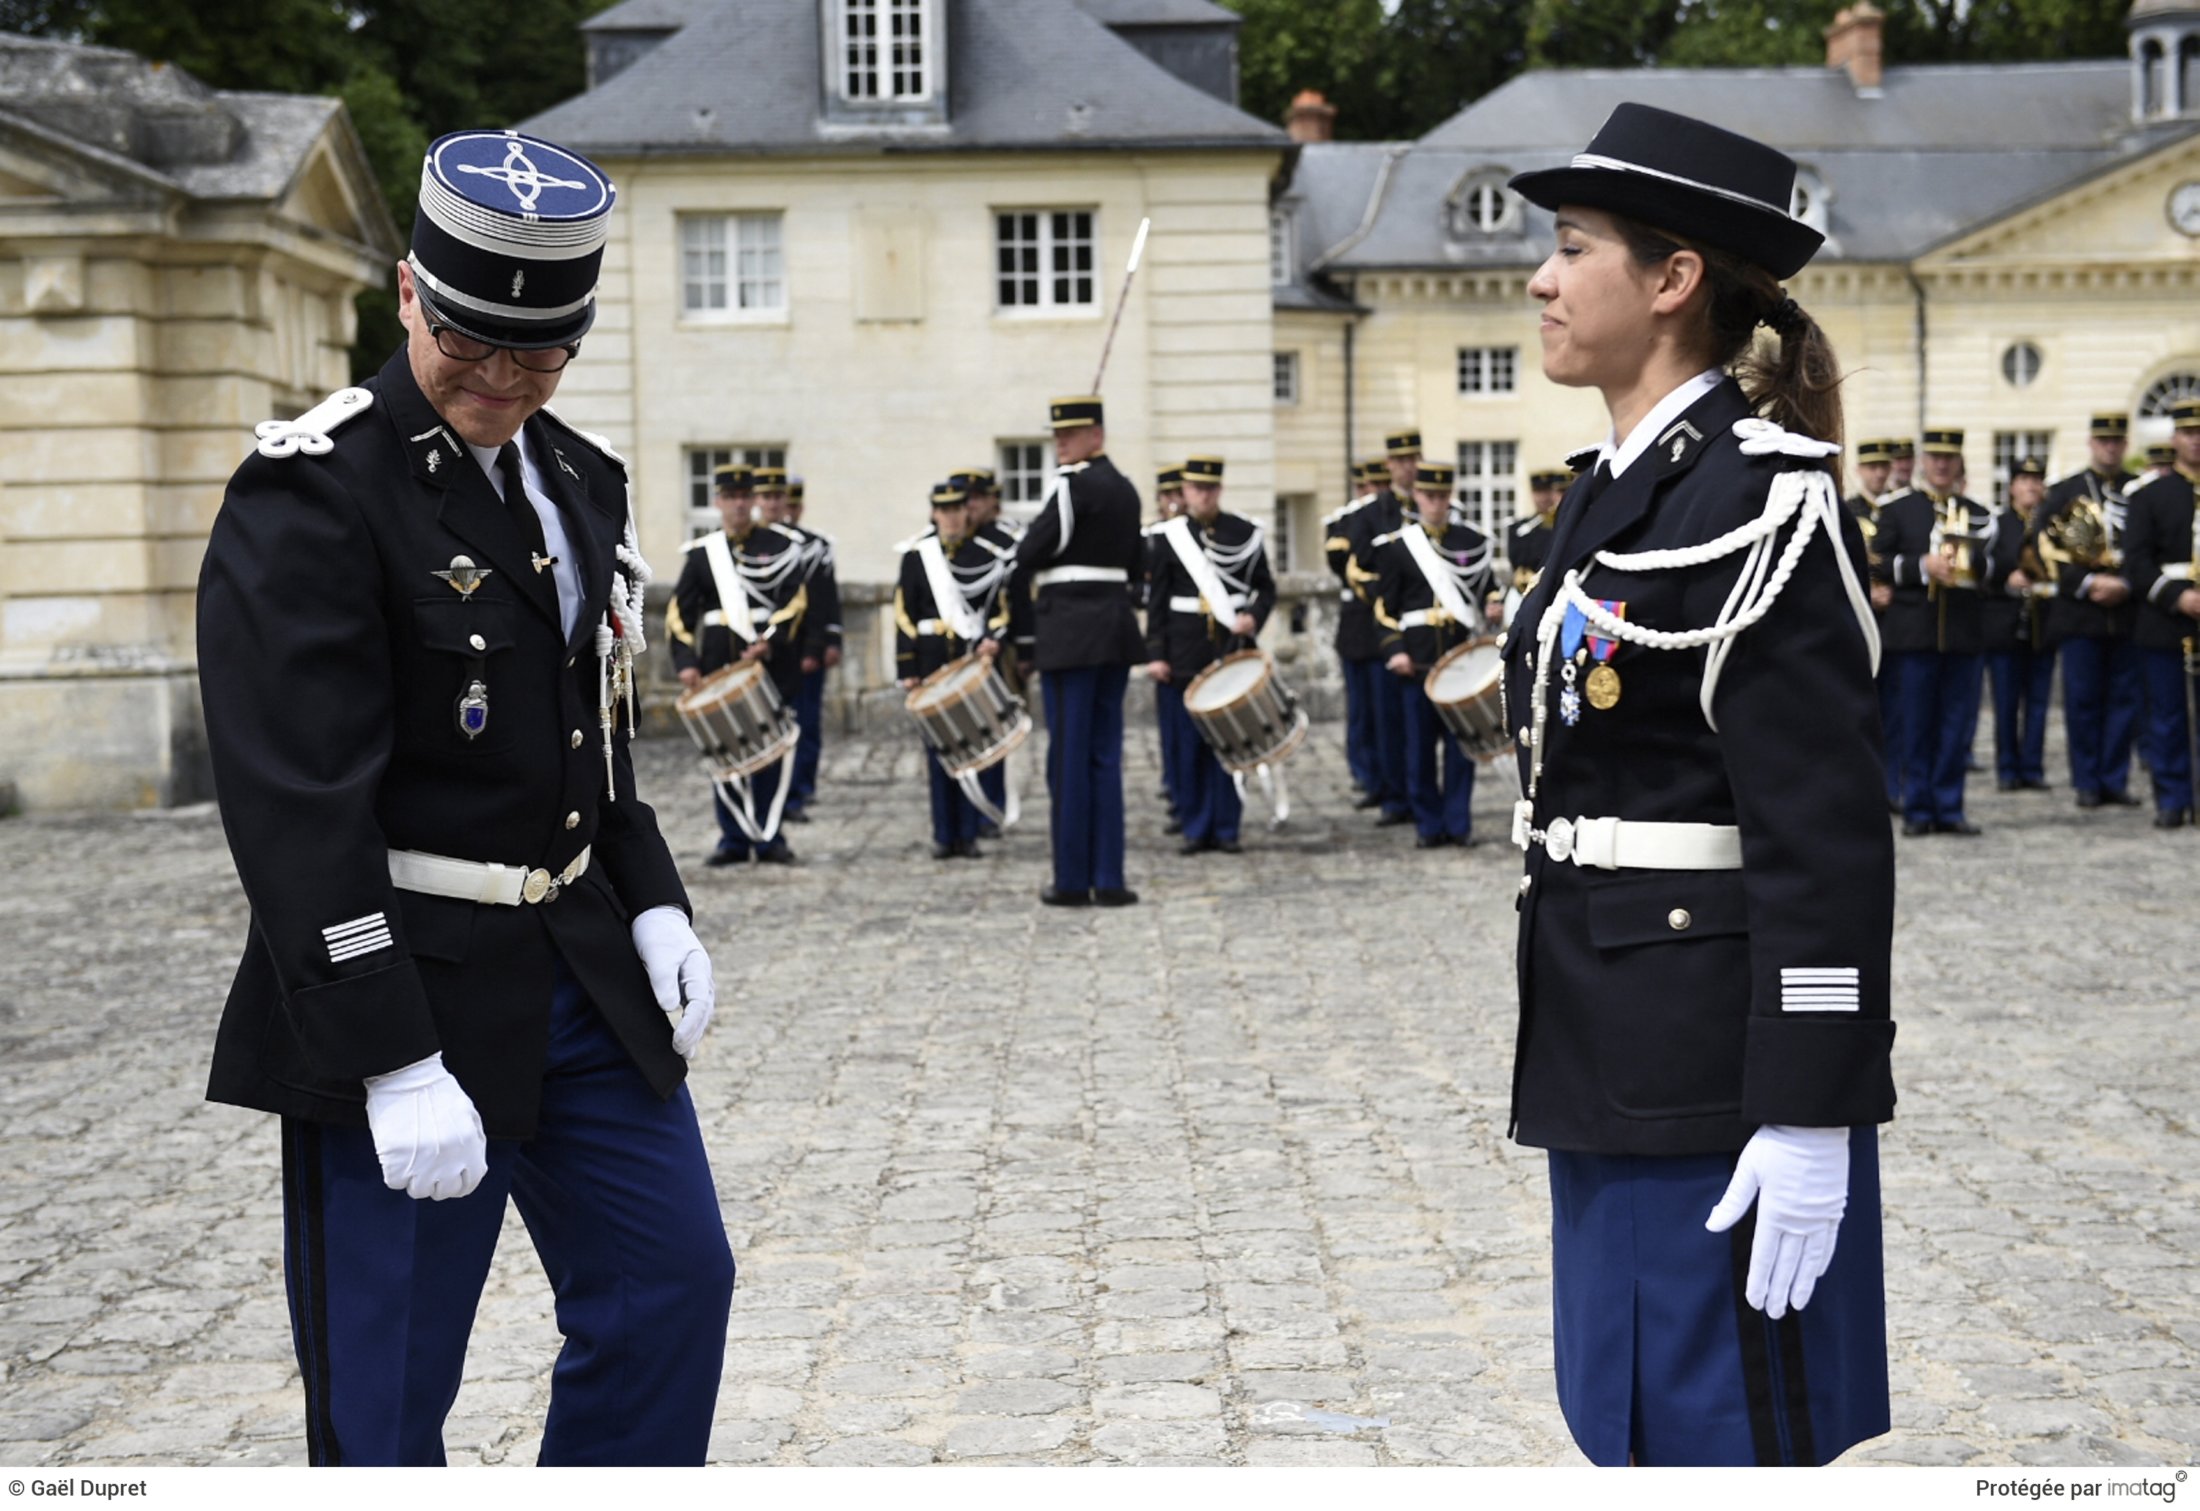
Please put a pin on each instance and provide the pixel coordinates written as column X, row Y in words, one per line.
column 1578, row 646
column 1602, row 687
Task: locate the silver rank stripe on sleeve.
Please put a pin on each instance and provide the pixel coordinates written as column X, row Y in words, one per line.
column 361, row 936
column 1820, row 989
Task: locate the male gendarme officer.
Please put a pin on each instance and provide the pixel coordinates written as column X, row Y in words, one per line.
column 470, row 973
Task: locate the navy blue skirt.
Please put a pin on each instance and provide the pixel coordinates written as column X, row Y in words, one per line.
column 1661, row 1360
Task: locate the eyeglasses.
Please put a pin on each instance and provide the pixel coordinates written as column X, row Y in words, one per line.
column 460, row 347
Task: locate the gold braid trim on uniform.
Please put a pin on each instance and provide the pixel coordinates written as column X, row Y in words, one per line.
column 902, row 621
column 675, row 625
column 1382, row 615
column 796, row 608
column 1358, row 576
column 999, row 621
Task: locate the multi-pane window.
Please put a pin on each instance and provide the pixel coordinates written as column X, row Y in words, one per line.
column 1488, row 369
column 1024, row 466
column 703, row 461
column 1488, row 487
column 1481, row 207
column 731, row 263
column 1043, row 259
column 1279, row 247
column 1279, row 535
column 2012, row 447
column 2155, row 403
column 884, row 50
column 1287, row 377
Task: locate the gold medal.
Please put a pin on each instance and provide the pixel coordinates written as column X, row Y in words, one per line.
column 1602, row 688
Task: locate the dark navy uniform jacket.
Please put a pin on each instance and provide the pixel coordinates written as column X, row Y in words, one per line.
column 1089, row 520
column 1654, row 1009
column 922, row 642
column 1527, row 542
column 1357, row 637
column 1402, row 589
column 2008, row 618
column 694, row 620
column 1926, row 617
column 2070, row 612
column 2158, row 525
column 1380, row 515
column 1191, row 640
column 331, row 662
column 822, row 578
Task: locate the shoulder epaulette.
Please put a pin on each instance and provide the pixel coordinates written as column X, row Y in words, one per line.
column 1072, row 467
column 1582, row 457
column 1761, row 437
column 589, row 436
column 310, row 432
column 789, row 531
column 1385, row 538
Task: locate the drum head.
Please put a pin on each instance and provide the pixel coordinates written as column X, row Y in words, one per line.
column 720, row 685
column 1226, row 681
column 1466, row 672
column 949, row 683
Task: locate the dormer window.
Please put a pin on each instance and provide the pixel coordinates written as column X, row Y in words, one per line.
column 1810, row 200
column 1480, row 206
column 887, row 50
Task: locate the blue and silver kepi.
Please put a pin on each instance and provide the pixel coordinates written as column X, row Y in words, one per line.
column 509, row 237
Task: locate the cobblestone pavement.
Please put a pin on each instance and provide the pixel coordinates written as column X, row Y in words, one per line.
column 1217, row 1178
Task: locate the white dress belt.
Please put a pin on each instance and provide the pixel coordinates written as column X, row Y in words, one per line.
column 1054, row 575
column 480, row 880
column 1420, row 619
column 1614, row 844
column 936, row 627
column 757, row 615
column 1192, row 605
column 2180, row 570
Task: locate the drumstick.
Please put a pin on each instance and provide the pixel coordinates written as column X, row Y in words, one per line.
column 1138, row 250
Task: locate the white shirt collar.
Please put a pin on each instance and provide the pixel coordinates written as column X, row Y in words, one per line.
column 1618, row 454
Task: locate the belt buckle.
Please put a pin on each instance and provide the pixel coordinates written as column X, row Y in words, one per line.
column 1559, row 839
column 539, row 886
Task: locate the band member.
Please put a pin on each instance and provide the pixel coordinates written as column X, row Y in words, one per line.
column 1900, row 477
column 2161, row 556
column 1703, row 1032
column 1529, row 540
column 747, row 602
column 1437, row 577
column 948, row 600
column 1212, row 591
column 1168, row 700
column 2161, row 462
column 1874, row 470
column 1079, row 558
column 2019, row 665
column 1358, row 646
column 418, row 610
column 1931, row 545
column 780, row 502
column 1391, row 507
column 2090, row 617
column 999, row 538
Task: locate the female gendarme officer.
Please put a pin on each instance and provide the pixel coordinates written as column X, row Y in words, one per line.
column 1706, row 915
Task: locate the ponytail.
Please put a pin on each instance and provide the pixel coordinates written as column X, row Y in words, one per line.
column 1793, row 379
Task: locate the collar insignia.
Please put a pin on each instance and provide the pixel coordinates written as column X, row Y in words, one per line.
column 435, row 459
column 1678, row 439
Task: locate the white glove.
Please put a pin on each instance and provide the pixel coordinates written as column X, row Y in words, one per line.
column 679, row 974
column 426, row 1132
column 1799, row 1178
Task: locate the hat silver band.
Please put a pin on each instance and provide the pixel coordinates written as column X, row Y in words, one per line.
column 1620, row 165
column 506, row 235
column 527, row 314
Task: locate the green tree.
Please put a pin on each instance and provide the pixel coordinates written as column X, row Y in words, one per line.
column 1442, row 55
column 1334, row 46
column 1749, row 34
column 1599, row 33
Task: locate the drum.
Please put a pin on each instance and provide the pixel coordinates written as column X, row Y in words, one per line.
column 737, row 722
column 1465, row 687
column 968, row 715
column 1244, row 712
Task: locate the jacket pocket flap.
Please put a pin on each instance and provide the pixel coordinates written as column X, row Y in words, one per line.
column 454, row 624
column 1666, row 907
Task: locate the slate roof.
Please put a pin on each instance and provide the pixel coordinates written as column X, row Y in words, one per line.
column 744, row 77
column 1160, row 12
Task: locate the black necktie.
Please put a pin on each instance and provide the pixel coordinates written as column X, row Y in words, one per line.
column 523, row 511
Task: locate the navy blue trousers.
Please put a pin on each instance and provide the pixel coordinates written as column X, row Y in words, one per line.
column 954, row 816
column 2163, row 672
column 1207, row 801
column 1439, row 775
column 1891, row 733
column 1938, row 694
column 1660, row 1358
column 763, row 786
column 1359, row 722
column 809, row 708
column 2022, row 679
column 617, row 1195
column 2101, row 698
column 1085, row 774
column 1168, row 711
column 993, row 782
column 1390, row 740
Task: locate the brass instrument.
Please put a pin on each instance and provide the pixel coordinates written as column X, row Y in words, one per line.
column 2079, row 537
column 1953, row 537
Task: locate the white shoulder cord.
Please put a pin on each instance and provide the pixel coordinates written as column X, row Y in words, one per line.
column 619, row 637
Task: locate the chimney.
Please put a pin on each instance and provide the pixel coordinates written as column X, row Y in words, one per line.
column 1311, row 118
column 1855, row 42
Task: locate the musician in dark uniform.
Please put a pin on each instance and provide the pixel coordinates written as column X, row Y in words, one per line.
column 2091, row 615
column 1874, row 477
column 1901, row 474
column 1528, row 540
column 1391, row 507
column 1168, row 700
column 1187, row 632
column 1358, row 647
column 2161, row 462
column 929, row 633
column 470, row 975
column 2161, row 557
column 1931, row 545
column 2020, row 667
column 775, row 622
column 779, row 502
column 1707, row 915
column 1418, row 610
column 997, row 537
column 1078, row 561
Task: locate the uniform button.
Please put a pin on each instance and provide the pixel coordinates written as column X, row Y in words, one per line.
column 573, row 821
column 1679, row 918
column 477, row 642
column 1525, row 882
column 576, row 739
column 1524, row 736
column 569, row 663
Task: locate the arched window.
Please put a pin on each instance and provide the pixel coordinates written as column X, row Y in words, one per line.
column 2170, row 388
column 2152, row 99
column 1480, row 206
column 2188, row 75
column 2020, row 363
column 1811, row 199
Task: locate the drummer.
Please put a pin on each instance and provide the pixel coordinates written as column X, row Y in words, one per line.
column 946, row 562
column 774, row 624
column 1199, row 558
column 1529, row 539
column 1391, row 507
column 1436, row 578
column 999, row 537
column 1168, row 503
